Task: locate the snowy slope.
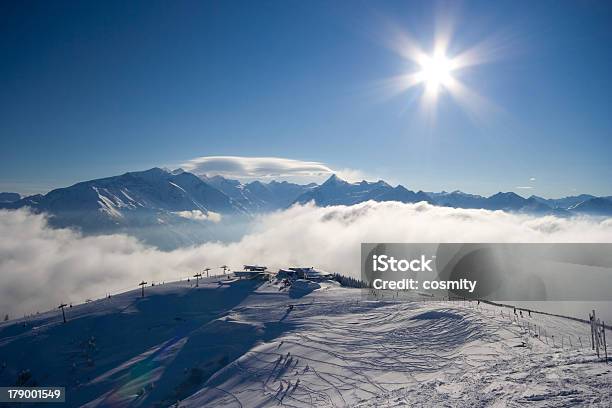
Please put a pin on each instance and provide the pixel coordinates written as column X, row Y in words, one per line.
column 343, row 352
column 237, row 344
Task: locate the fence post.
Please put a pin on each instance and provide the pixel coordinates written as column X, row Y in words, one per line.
column 591, row 319
column 603, row 326
column 597, row 334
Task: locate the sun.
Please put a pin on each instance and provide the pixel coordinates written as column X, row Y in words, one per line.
column 435, row 71
column 440, row 71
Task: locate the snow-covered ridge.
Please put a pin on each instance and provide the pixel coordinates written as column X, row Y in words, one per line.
column 238, row 343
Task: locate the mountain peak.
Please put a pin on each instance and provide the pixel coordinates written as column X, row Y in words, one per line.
column 153, row 172
column 156, row 170
column 382, row 183
column 334, row 180
column 508, row 194
column 257, row 186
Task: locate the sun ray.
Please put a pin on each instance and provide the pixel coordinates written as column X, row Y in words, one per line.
column 477, row 107
column 438, row 70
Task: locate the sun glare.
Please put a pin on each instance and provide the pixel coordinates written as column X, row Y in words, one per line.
column 435, row 71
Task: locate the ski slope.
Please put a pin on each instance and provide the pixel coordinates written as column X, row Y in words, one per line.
column 238, row 344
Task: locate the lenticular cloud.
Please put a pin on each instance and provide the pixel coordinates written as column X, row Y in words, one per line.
column 41, row 267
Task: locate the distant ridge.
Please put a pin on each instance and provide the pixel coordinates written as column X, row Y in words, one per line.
column 173, row 208
column 336, row 191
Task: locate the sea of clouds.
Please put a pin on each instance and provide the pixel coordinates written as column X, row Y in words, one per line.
column 41, row 266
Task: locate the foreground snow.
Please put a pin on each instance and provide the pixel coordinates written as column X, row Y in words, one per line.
column 238, row 344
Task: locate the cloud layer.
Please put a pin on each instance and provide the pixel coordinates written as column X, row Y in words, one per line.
column 238, row 167
column 254, row 167
column 40, row 266
column 199, row 215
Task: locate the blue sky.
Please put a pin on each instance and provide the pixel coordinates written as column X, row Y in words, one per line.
column 91, row 89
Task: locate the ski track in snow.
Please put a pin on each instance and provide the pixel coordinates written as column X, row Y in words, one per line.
column 348, row 352
column 233, row 345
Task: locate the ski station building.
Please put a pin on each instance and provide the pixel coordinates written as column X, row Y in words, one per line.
column 308, row 273
column 293, row 273
column 253, row 272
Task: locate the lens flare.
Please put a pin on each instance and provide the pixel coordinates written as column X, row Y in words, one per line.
column 442, row 70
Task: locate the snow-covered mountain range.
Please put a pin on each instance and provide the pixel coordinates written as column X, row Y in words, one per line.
column 160, row 207
column 336, row 191
column 173, row 208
